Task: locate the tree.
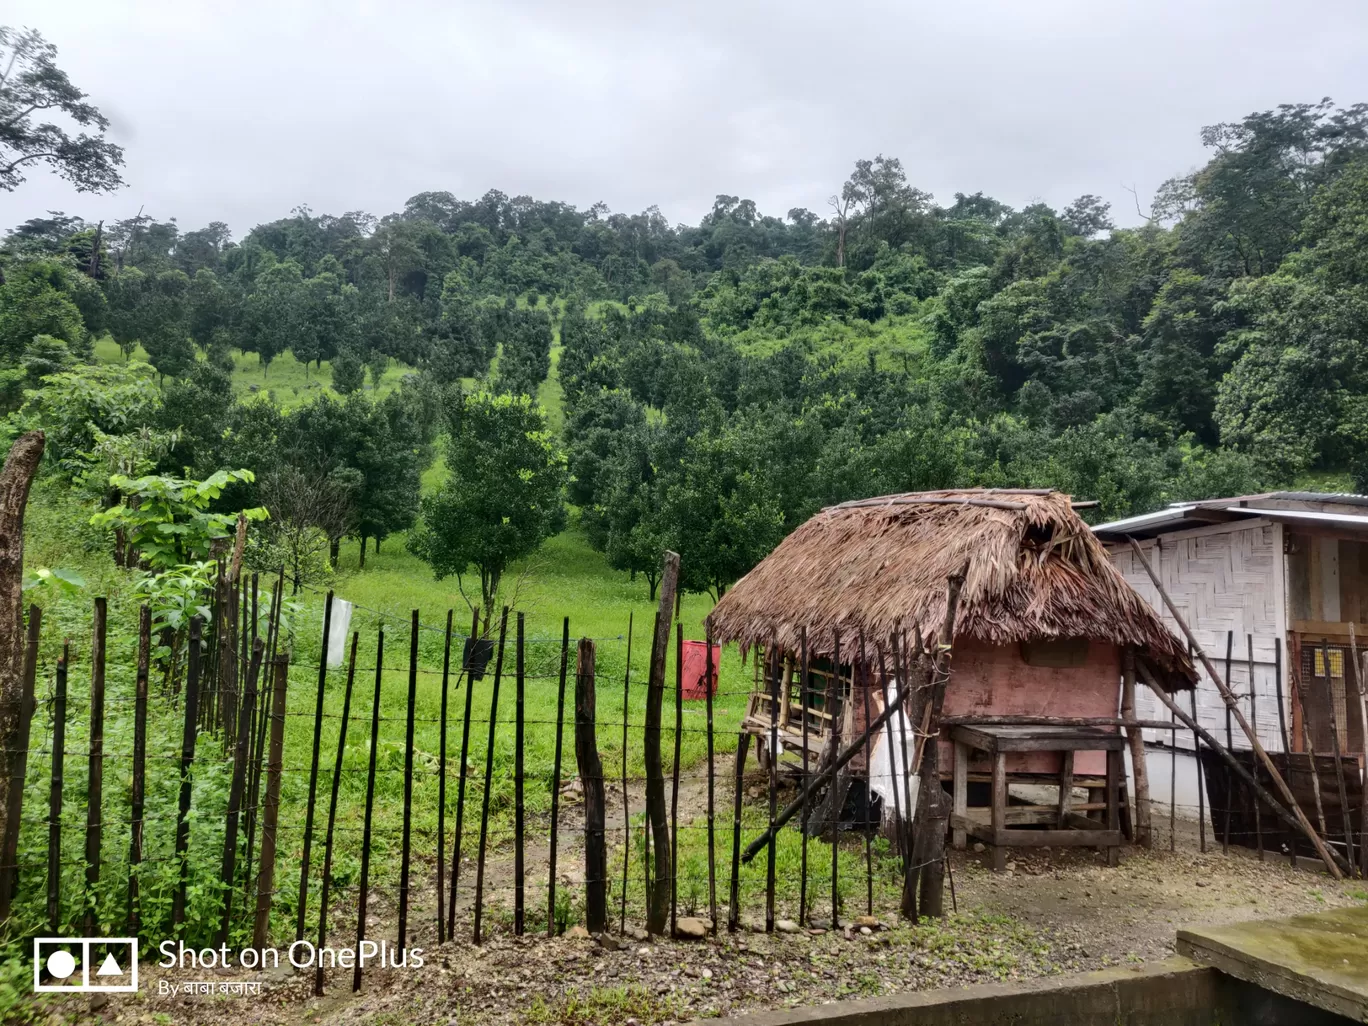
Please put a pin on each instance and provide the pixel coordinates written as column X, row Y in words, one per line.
column 348, row 372
column 309, row 508
column 32, row 84
column 504, row 495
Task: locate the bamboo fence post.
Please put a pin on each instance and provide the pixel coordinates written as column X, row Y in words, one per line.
column 237, row 787
column 869, row 777
column 18, row 767
column 674, row 786
column 1201, row 783
column 401, row 932
column 471, row 654
column 892, row 762
column 488, row 777
column 1230, row 745
column 303, row 906
column 803, row 822
column 657, row 898
column 1325, row 853
column 626, row 803
column 139, row 789
column 1314, row 762
column 833, row 689
column 1173, row 787
column 1361, row 687
column 1253, row 719
column 902, row 670
column 364, row 896
column 712, row 852
column 54, row 859
column 270, row 808
column 1245, row 776
column 441, row 786
column 734, row 891
column 192, row 675
column 555, row 780
column 519, row 854
column 1282, row 722
column 1135, row 739
column 95, row 766
column 263, row 725
column 591, row 778
column 773, row 669
column 1345, row 817
column 332, row 816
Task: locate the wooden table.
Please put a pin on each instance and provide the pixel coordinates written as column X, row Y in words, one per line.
column 1064, row 825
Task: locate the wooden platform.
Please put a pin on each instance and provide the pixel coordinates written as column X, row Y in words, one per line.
column 1320, row 959
column 1064, row 824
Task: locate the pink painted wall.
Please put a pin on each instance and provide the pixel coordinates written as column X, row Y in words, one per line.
column 989, row 680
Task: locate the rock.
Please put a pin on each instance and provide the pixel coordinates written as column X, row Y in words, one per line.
column 707, row 974
column 577, row 933
column 817, row 932
column 98, row 1001
column 979, row 848
column 608, row 942
column 866, row 932
column 1011, row 867
column 691, row 928
column 870, row 921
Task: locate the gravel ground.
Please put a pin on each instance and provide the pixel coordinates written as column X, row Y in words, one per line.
column 1052, row 912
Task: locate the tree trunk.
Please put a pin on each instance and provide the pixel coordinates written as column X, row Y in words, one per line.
column 20, row 467
column 334, row 550
column 362, row 563
column 591, row 780
column 658, row 900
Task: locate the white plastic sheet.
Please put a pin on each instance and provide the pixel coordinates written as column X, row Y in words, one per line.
column 338, row 630
column 890, row 761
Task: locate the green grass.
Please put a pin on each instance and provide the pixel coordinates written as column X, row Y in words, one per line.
column 286, row 379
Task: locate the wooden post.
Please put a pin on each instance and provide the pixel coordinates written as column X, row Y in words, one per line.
column 488, row 777
column 869, row 777
column 1135, row 738
column 263, row 725
column 1361, row 687
column 364, row 896
column 1230, row 745
column 441, row 786
column 54, row 859
column 18, row 775
column 95, row 766
column 834, row 741
column 555, row 783
column 626, row 803
column 931, row 803
column 1346, row 818
column 901, row 656
column 461, row 775
column 332, row 815
column 270, row 806
column 16, row 701
column 303, row 906
column 773, row 668
column 1258, row 817
column 674, row 777
column 1286, row 792
column 1297, row 822
column 712, row 854
column 1282, row 720
column 893, row 765
column 591, row 779
column 187, row 760
column 139, row 791
column 237, row 787
column 803, row 821
column 734, row 891
column 519, row 864
column 401, row 934
column 658, row 897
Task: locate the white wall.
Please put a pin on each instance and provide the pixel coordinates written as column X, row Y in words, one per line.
column 1225, row 577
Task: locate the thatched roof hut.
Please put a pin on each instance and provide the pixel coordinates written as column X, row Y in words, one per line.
column 1033, row 572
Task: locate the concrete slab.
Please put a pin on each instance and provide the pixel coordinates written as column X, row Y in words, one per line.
column 1320, row 959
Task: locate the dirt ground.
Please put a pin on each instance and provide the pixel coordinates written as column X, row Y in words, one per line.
column 1052, row 912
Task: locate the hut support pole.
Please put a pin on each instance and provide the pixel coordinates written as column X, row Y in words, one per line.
column 1136, row 739
column 1233, row 705
column 1293, row 819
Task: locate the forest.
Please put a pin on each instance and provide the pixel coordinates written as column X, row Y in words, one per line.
column 705, row 387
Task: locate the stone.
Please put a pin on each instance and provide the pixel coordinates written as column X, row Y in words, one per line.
column 786, row 926
column 638, row 934
column 608, row 942
column 816, row 932
column 819, row 924
column 577, row 933
column 691, row 928
column 866, row 932
column 707, row 974
column 1011, row 867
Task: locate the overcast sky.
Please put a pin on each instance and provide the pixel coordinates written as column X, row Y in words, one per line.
column 240, row 111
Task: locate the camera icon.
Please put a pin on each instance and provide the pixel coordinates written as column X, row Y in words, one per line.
column 85, row 965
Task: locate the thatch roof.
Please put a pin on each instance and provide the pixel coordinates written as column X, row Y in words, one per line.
column 1033, row 571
